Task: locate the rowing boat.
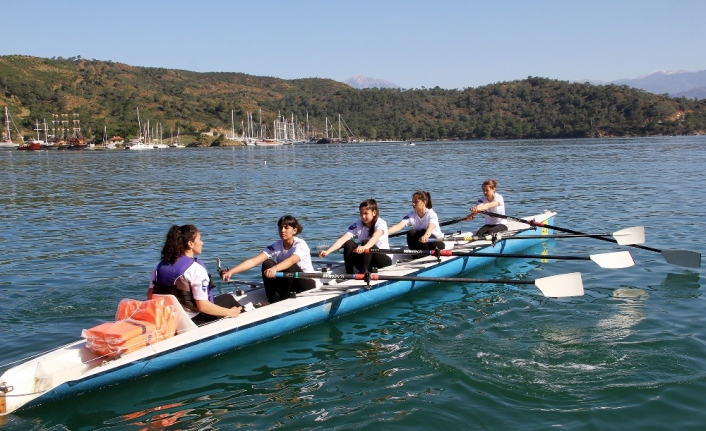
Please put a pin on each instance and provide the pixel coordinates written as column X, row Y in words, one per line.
column 73, row 369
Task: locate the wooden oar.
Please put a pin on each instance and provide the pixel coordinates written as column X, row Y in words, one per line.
column 629, row 236
column 443, row 223
column 556, row 286
column 690, row 259
column 621, row 259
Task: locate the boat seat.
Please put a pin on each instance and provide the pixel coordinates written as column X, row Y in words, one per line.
column 185, row 322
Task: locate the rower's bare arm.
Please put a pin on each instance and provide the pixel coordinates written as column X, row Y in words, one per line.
column 208, row 307
column 245, row 265
column 427, row 233
column 336, row 245
column 281, row 266
column 371, row 242
column 484, row 207
column 396, row 228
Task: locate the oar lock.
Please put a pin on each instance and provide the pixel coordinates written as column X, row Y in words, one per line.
column 367, row 277
column 5, row 388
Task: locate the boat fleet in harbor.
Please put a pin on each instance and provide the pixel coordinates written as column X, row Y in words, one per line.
column 284, row 132
column 54, row 141
column 287, row 132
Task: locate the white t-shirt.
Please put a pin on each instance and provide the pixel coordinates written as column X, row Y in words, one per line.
column 358, row 229
column 277, row 253
column 197, row 276
column 500, row 209
column 421, row 223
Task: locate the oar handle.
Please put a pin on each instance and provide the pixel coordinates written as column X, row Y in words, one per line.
column 397, row 251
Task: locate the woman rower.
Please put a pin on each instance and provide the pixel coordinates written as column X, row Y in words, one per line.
column 181, row 274
column 493, row 202
column 289, row 254
column 371, row 231
column 425, row 224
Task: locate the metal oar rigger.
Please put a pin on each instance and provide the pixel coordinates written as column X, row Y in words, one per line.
column 620, row 259
column 556, row 286
column 687, row 258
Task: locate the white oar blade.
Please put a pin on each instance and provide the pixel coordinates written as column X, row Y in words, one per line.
column 630, row 236
column 621, row 259
column 558, row 286
column 690, row 259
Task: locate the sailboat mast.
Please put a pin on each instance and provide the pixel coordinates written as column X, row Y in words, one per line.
column 7, row 124
column 139, row 125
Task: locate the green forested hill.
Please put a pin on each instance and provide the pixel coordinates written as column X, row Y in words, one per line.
column 108, row 93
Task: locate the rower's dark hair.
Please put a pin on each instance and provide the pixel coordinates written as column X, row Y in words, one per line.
column 490, row 182
column 372, row 205
column 423, row 196
column 291, row 222
column 177, row 241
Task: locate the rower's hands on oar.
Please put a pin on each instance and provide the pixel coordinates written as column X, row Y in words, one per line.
column 235, row 311
column 323, row 253
column 270, row 272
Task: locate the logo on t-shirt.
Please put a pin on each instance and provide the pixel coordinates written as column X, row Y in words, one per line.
column 204, row 285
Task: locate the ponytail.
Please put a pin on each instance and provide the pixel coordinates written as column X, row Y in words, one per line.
column 372, row 205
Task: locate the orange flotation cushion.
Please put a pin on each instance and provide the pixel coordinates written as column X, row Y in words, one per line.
column 139, row 324
column 126, row 307
column 122, row 331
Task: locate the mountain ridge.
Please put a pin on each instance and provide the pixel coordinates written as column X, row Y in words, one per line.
column 360, row 82
column 676, row 83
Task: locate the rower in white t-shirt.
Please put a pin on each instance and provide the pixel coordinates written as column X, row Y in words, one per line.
column 290, row 254
column 371, row 231
column 492, row 202
column 425, row 232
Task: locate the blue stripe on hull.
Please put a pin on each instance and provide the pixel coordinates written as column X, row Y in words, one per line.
column 281, row 324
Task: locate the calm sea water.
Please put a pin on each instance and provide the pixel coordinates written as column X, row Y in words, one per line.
column 83, row 230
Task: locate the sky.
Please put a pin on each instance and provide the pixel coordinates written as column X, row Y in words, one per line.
column 412, row 43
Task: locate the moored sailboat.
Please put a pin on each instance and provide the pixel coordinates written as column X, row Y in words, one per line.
column 138, row 144
column 34, row 144
column 6, row 142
